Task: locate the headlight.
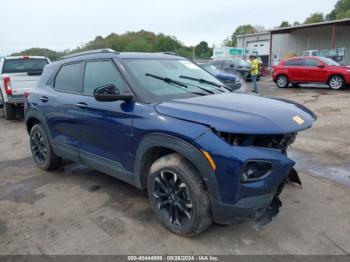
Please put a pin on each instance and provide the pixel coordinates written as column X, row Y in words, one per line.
column 348, row 70
column 238, row 79
column 255, row 170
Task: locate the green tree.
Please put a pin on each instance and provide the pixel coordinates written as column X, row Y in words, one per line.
column 52, row 55
column 241, row 30
column 229, row 41
column 285, row 24
column 314, row 18
column 296, row 23
column 166, row 43
column 341, row 10
column 202, row 50
column 140, row 41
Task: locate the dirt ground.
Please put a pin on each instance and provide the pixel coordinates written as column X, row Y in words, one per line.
column 76, row 210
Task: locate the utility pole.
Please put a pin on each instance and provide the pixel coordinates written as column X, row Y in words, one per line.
column 243, row 43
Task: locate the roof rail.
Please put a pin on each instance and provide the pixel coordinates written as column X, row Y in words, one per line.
column 95, row 51
column 166, row 53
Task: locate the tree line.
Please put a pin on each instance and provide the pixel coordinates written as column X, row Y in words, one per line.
column 141, row 41
column 145, row 41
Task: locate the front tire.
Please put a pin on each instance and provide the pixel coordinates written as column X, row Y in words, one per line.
column 178, row 195
column 41, row 149
column 336, row 82
column 282, row 81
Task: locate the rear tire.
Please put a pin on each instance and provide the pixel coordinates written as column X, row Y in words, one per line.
column 178, row 195
column 41, row 149
column 336, row 82
column 282, row 81
column 9, row 111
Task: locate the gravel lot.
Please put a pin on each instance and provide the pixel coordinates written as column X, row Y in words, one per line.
column 76, row 210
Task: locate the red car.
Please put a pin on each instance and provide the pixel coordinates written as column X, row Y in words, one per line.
column 311, row 69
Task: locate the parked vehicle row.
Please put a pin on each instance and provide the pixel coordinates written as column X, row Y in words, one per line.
column 238, row 67
column 309, row 69
column 163, row 124
column 230, row 80
column 18, row 75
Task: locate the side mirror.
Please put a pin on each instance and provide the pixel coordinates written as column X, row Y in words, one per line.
column 109, row 93
column 320, row 66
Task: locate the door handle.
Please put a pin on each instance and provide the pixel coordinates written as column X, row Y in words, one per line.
column 44, row 99
column 82, row 105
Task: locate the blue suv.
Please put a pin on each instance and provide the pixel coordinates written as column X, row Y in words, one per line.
column 161, row 123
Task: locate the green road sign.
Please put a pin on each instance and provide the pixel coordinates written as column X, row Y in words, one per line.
column 236, row 51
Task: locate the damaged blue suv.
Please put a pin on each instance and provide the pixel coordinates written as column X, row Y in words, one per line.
column 161, row 123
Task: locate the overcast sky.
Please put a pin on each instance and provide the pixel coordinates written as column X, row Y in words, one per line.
column 62, row 24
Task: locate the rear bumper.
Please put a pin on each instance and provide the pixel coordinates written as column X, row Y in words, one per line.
column 15, row 99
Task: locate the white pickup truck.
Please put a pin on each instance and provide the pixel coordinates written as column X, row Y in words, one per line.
column 18, row 75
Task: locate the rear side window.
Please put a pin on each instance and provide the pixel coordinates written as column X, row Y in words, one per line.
column 295, row 62
column 24, row 65
column 101, row 73
column 69, row 78
column 312, row 62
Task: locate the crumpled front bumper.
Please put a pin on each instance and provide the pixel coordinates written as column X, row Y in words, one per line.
column 262, row 209
column 242, row 201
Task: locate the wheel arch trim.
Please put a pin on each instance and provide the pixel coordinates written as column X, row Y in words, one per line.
column 186, row 149
column 34, row 114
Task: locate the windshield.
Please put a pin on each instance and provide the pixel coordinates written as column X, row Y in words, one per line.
column 24, row 65
column 329, row 61
column 242, row 64
column 211, row 69
column 142, row 71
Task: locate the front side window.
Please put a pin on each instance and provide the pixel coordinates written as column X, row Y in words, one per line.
column 101, row 73
column 328, row 61
column 69, row 78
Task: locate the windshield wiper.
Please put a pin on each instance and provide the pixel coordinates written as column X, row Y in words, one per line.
column 203, row 81
column 174, row 83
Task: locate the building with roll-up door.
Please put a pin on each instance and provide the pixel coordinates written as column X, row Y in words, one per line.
column 330, row 39
column 256, row 44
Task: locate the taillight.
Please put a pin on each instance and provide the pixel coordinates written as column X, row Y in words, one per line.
column 26, row 94
column 7, row 85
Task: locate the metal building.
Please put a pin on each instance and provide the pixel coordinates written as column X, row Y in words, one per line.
column 255, row 44
column 329, row 37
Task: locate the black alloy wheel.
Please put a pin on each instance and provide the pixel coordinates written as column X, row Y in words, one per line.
column 39, row 148
column 178, row 195
column 173, row 198
column 42, row 152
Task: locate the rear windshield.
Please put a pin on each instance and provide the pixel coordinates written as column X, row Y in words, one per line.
column 24, row 65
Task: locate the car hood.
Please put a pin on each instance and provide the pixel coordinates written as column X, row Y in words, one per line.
column 241, row 113
column 224, row 76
